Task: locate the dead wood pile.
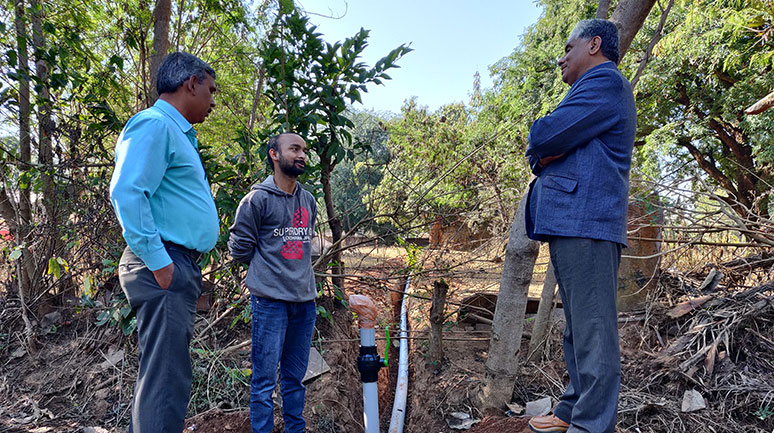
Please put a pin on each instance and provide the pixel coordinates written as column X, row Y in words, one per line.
column 720, row 345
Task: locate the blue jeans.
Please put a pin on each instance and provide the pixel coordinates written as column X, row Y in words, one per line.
column 282, row 334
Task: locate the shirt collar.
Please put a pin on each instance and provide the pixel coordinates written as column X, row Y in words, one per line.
column 175, row 115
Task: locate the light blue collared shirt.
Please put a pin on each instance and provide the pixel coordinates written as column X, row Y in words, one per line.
column 159, row 189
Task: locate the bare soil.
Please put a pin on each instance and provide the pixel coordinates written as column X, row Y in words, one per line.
column 82, row 375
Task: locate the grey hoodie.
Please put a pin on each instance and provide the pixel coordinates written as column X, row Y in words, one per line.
column 273, row 232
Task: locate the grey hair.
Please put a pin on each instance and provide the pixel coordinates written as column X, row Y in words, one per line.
column 606, row 30
column 178, row 67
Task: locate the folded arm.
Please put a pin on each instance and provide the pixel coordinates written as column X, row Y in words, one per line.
column 587, row 112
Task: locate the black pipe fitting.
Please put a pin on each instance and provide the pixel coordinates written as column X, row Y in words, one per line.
column 369, row 363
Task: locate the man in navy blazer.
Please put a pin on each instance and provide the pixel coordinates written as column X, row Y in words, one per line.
column 581, row 154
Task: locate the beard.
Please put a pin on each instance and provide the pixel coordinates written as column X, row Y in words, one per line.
column 289, row 168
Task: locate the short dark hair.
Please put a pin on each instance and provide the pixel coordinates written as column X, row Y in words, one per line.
column 178, row 67
column 607, row 32
column 273, row 144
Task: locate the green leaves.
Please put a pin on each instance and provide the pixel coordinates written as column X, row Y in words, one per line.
column 56, row 265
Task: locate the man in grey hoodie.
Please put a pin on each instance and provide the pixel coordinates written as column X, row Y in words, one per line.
column 273, row 231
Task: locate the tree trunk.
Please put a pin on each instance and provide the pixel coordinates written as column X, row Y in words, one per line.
column 630, row 15
column 437, row 316
column 19, row 216
column 161, row 15
column 603, row 9
column 22, row 71
column 333, row 222
column 508, row 323
column 45, row 151
column 543, row 316
column 45, row 122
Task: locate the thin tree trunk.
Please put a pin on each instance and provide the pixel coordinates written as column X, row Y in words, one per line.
column 22, row 72
column 630, row 15
column 19, row 217
column 543, row 316
column 508, row 324
column 603, row 9
column 440, row 288
column 45, row 122
column 29, row 331
column 45, row 151
column 653, row 42
column 333, row 222
column 161, row 15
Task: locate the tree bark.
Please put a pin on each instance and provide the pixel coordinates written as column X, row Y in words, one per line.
column 508, row 324
column 161, row 15
column 23, row 72
column 543, row 316
column 46, row 128
column 603, row 9
column 437, row 316
column 759, row 107
column 45, row 122
column 333, row 222
column 630, row 15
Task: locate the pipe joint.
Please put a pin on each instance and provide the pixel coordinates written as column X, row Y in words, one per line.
column 369, row 363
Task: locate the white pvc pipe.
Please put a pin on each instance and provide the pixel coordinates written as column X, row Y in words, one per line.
column 371, row 407
column 399, row 406
column 367, row 337
column 370, row 390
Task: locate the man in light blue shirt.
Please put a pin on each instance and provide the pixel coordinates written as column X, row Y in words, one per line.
column 163, row 202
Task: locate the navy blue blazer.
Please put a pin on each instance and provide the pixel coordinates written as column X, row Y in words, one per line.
column 584, row 194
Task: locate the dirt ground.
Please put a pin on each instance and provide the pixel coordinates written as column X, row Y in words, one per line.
column 82, row 375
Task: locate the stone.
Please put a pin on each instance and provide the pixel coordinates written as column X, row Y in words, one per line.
column 112, row 359
column 693, row 401
column 514, row 408
column 49, row 321
column 539, row 407
column 461, row 421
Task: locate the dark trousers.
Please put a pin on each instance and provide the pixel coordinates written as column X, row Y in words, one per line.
column 165, row 320
column 587, row 273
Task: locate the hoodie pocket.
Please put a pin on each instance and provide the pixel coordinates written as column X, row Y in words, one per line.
column 561, row 183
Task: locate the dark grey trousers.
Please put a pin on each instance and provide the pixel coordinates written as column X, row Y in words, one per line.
column 165, row 320
column 587, row 273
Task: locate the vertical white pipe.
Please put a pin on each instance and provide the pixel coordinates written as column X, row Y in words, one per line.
column 371, row 407
column 370, row 390
column 399, row 406
column 367, row 337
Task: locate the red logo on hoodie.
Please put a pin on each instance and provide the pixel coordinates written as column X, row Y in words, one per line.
column 294, row 250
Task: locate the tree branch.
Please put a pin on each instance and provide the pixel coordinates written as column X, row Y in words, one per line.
column 656, row 37
column 762, row 105
column 603, row 9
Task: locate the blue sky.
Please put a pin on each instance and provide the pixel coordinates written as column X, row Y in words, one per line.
column 451, row 39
